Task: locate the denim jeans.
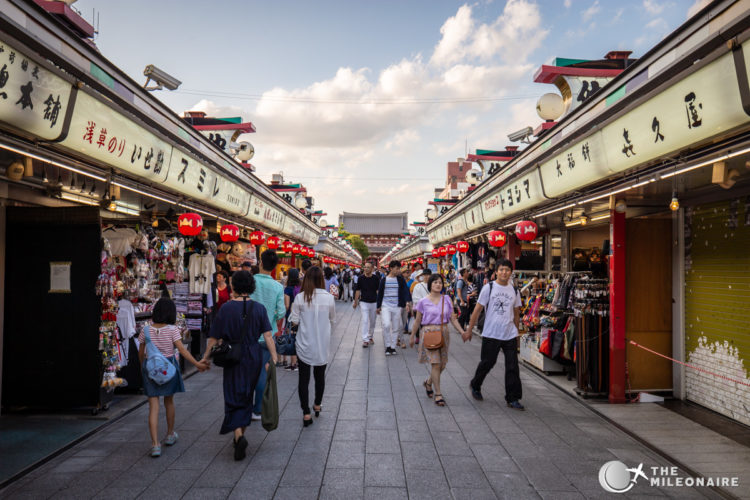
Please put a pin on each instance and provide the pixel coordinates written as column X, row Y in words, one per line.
column 261, row 385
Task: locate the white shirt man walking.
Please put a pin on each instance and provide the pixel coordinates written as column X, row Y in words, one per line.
column 503, row 305
column 393, row 297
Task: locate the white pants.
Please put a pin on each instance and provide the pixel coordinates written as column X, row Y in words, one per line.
column 346, row 291
column 368, row 320
column 392, row 325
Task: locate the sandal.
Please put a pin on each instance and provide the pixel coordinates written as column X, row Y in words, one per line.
column 428, row 389
column 439, row 400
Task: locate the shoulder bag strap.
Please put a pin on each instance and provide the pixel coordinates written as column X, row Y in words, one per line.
column 442, row 314
column 244, row 320
column 150, row 347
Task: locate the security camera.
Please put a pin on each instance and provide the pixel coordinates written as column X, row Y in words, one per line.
column 162, row 79
column 521, row 135
column 474, row 176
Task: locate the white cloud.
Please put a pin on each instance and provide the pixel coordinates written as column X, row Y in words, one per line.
column 696, row 7
column 618, row 16
column 403, row 140
column 657, row 24
column 515, row 34
column 590, row 12
column 653, row 7
column 360, row 123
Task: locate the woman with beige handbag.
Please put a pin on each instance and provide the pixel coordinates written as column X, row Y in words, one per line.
column 433, row 314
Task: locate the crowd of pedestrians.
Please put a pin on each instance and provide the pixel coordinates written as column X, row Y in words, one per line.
column 256, row 310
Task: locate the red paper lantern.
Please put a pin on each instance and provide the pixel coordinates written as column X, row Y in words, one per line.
column 296, row 249
column 325, row 259
column 420, row 260
column 257, row 238
column 451, row 249
column 287, row 246
column 273, row 242
column 497, row 238
column 462, row 246
column 229, row 233
column 435, row 253
column 526, row 230
column 312, row 252
column 442, row 251
column 190, row 224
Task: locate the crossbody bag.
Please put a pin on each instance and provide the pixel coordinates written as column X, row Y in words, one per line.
column 432, row 335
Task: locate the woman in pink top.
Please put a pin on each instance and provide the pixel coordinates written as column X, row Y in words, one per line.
column 166, row 337
column 435, row 309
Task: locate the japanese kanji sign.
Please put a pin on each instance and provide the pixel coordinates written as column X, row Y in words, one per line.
column 31, row 98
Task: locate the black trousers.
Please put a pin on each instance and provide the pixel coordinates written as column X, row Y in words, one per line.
column 490, row 350
column 319, row 372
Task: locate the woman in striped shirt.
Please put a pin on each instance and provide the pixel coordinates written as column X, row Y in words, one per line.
column 166, row 337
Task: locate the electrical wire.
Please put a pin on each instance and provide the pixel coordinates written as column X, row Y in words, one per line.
column 339, row 178
column 363, row 101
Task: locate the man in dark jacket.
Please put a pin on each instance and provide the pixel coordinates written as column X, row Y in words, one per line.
column 393, row 296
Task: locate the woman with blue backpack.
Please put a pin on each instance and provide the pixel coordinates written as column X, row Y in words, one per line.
column 161, row 372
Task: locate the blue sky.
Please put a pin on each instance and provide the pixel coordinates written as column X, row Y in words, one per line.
column 325, row 82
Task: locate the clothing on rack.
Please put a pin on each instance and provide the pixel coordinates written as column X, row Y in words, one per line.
column 201, row 270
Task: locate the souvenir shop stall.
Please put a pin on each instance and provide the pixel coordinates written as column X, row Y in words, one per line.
column 565, row 315
column 139, row 265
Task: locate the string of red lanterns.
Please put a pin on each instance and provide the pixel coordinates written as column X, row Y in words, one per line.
column 191, row 224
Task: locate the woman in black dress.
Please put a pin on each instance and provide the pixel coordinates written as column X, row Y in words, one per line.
column 237, row 315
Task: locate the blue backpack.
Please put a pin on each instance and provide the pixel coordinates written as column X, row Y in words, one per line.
column 158, row 367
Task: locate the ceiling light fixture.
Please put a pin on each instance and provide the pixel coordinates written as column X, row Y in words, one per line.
column 124, row 186
column 51, row 162
column 674, row 205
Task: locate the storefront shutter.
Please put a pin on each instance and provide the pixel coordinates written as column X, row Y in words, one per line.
column 717, row 303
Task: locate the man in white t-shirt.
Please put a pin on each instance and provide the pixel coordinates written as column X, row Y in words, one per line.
column 503, row 312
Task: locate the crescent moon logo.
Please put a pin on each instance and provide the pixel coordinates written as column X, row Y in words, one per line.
column 614, row 477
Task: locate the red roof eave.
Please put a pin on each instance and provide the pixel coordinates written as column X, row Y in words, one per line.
column 62, row 9
column 490, row 158
column 248, row 127
column 548, row 74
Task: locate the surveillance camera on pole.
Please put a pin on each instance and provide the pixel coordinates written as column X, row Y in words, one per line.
column 161, row 78
column 521, row 135
column 474, row 176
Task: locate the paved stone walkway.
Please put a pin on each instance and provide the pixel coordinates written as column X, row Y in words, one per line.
column 377, row 437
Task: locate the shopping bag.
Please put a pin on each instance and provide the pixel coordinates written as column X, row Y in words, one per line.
column 269, row 413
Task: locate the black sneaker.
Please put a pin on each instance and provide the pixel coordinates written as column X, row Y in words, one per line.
column 516, row 405
column 476, row 393
column 393, row 351
column 239, row 448
column 387, row 351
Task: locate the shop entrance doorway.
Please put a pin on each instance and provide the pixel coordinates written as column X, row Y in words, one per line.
column 52, row 313
column 648, row 318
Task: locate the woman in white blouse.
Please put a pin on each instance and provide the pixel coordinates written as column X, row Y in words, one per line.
column 313, row 312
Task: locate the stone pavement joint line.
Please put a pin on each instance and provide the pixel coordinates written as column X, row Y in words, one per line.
column 378, row 436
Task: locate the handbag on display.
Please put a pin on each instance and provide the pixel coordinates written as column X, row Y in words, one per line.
column 228, row 354
column 286, row 343
column 432, row 335
column 158, row 367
